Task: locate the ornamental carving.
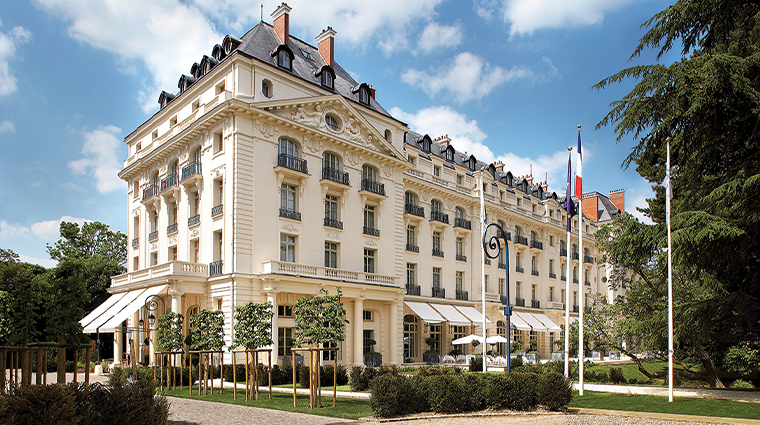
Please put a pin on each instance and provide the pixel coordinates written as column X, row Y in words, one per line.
column 313, row 145
column 194, row 233
column 424, row 195
column 331, row 234
column 386, row 169
column 310, row 118
column 370, row 242
column 172, row 240
column 290, row 228
column 449, row 205
column 153, row 246
column 267, row 129
column 352, row 157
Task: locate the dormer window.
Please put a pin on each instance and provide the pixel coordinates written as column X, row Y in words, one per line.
column 426, row 144
column 364, row 95
column 327, row 80
column 326, row 77
column 449, row 154
column 284, row 57
column 472, row 163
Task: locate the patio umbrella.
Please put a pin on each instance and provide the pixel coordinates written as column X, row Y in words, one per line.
column 467, row 339
column 495, row 339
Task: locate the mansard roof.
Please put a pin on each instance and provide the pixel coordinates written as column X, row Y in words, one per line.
column 262, row 40
column 462, row 159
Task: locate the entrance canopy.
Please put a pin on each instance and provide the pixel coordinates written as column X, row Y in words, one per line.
column 425, row 312
column 452, row 315
column 117, row 310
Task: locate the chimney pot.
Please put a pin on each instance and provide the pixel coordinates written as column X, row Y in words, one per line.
column 326, row 44
column 281, row 19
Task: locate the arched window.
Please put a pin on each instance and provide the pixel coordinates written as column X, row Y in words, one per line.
column 459, row 213
column 330, row 161
column 369, row 173
column 266, row 88
column 449, row 154
column 196, row 155
column 388, row 136
column 509, row 178
column 575, row 248
column 533, row 236
column 410, row 198
column 283, row 59
column 436, row 206
column 426, row 144
column 174, row 168
column 518, row 231
column 154, row 179
column 327, row 79
column 288, row 147
column 473, row 161
column 332, row 122
column 364, row 95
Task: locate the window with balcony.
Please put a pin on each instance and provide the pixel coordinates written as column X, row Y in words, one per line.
column 287, row 248
column 410, row 205
column 551, row 294
column 460, row 280
column 370, row 181
column 552, row 274
column 436, row 212
column 331, row 255
column 289, row 156
column 437, row 247
column 369, row 260
column 217, row 209
column 331, row 169
column 534, row 266
column 518, row 263
column 172, row 253
column 331, row 212
column 370, row 227
column 460, row 219
column 411, row 239
column 288, row 205
column 411, row 274
column 460, row 250
column 519, row 300
column 437, row 290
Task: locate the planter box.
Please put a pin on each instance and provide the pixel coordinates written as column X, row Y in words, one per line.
column 373, row 360
column 532, row 358
column 431, row 358
column 469, row 357
column 614, row 355
column 596, row 355
column 558, row 357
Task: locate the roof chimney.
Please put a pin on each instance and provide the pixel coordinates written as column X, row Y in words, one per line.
column 326, row 43
column 618, row 198
column 372, row 92
column 499, row 165
column 445, row 140
column 282, row 22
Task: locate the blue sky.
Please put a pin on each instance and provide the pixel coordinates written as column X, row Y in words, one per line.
column 507, row 80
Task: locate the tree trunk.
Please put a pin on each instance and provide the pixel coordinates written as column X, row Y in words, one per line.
column 61, row 361
column 712, row 374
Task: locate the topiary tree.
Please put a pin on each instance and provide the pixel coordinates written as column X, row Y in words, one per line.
column 207, row 331
column 169, row 332
column 475, row 343
column 319, row 321
column 253, row 325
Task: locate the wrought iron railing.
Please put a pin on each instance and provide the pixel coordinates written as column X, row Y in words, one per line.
column 331, row 222
column 371, row 231
column 412, row 248
column 439, row 292
column 373, row 186
column 462, row 295
column 194, row 220
column 437, row 252
column 335, row 175
column 439, row 216
column 414, row 210
column 412, row 289
column 219, row 209
column 292, row 162
column 191, row 169
column 215, row 268
column 293, row 215
column 461, row 257
column 464, row 224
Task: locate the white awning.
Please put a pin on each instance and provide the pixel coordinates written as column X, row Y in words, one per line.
column 472, row 314
column 532, row 321
column 550, row 325
column 573, row 319
column 517, row 321
column 137, row 300
column 99, row 311
column 425, row 312
column 452, row 315
column 124, row 301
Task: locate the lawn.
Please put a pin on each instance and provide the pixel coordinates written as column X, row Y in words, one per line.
column 346, row 408
column 631, row 371
column 660, row 404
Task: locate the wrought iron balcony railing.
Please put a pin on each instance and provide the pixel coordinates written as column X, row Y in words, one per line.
column 439, row 216
column 536, row 244
column 439, row 292
column 170, row 180
column 191, row 169
column 412, row 248
column 373, row 186
column 335, row 175
column 371, row 231
column 523, row 240
column 520, row 302
column 217, row 210
column 463, row 223
column 437, row 252
column 331, row 222
column 171, row 228
column 293, row 215
column 412, row 289
column 462, row 295
column 215, row 268
column 535, row 303
column 292, row 162
column 461, row 257
column 194, row 220
column 414, row 210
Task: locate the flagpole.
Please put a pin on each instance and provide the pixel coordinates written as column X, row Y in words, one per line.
column 668, row 195
column 483, row 269
column 581, row 289
column 567, row 274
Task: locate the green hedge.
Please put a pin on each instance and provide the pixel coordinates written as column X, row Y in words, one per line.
column 77, row 404
column 393, row 395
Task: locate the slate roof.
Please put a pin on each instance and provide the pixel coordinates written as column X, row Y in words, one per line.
column 462, row 159
column 259, row 43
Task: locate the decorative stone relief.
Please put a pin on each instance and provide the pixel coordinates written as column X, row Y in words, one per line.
column 218, row 171
column 313, row 145
column 370, row 242
column 352, row 157
column 331, row 234
column 153, row 246
column 290, row 228
column 194, row 232
column 449, row 205
column 386, row 169
column 267, row 129
column 311, row 118
column 424, row 195
column 172, row 240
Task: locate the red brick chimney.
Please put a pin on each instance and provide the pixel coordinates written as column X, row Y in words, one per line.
column 372, row 92
column 618, row 198
column 282, row 22
column 326, row 44
column 499, row 165
column 590, row 205
column 445, row 140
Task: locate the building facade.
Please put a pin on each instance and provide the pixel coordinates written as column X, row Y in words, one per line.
column 273, row 174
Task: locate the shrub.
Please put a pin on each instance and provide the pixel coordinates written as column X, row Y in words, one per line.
column 446, row 394
column 120, row 376
column 516, row 362
column 523, row 391
column 554, row 391
column 476, row 364
column 386, row 397
column 239, row 372
column 430, row 371
column 616, row 375
column 341, row 375
column 741, row 384
column 388, row 370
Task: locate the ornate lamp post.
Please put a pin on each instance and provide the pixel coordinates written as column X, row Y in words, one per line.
column 151, row 304
column 492, row 249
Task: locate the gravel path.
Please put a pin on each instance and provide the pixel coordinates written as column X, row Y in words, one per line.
column 196, row 412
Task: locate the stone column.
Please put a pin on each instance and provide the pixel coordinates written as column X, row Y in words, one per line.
column 358, row 336
column 393, row 334
column 272, row 298
column 118, row 348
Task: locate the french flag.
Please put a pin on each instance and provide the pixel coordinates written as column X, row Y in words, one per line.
column 579, row 174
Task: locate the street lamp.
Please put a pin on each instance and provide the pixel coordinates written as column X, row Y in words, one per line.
column 492, row 245
column 151, row 304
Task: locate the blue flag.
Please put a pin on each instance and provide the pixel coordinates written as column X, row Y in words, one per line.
column 569, row 204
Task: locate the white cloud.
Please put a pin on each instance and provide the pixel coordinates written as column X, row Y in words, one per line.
column 486, row 8
column 436, row 36
column 44, row 262
column 51, row 229
column 100, row 150
column 467, row 136
column 470, row 77
column 10, row 231
column 637, row 197
column 7, row 127
column 164, row 36
column 527, row 16
column 9, row 43
column 72, row 186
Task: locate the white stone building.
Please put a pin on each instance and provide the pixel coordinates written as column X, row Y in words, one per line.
column 273, row 174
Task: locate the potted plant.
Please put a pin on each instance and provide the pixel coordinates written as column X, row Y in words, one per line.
column 559, row 350
column 431, row 356
column 373, row 358
column 516, row 346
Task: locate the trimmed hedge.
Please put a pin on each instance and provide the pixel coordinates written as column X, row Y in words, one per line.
column 77, row 404
column 394, row 395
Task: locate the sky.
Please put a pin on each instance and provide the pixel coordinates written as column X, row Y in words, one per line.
column 507, row 80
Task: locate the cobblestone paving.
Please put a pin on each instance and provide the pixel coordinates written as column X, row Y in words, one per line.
column 197, row 412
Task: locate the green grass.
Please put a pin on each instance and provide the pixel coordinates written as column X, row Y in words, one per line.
column 660, row 404
column 345, row 408
column 631, row 371
column 328, row 388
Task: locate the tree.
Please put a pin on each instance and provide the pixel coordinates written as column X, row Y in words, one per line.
column 169, row 332
column 101, row 252
column 23, row 293
column 706, row 105
column 207, row 330
column 253, row 325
